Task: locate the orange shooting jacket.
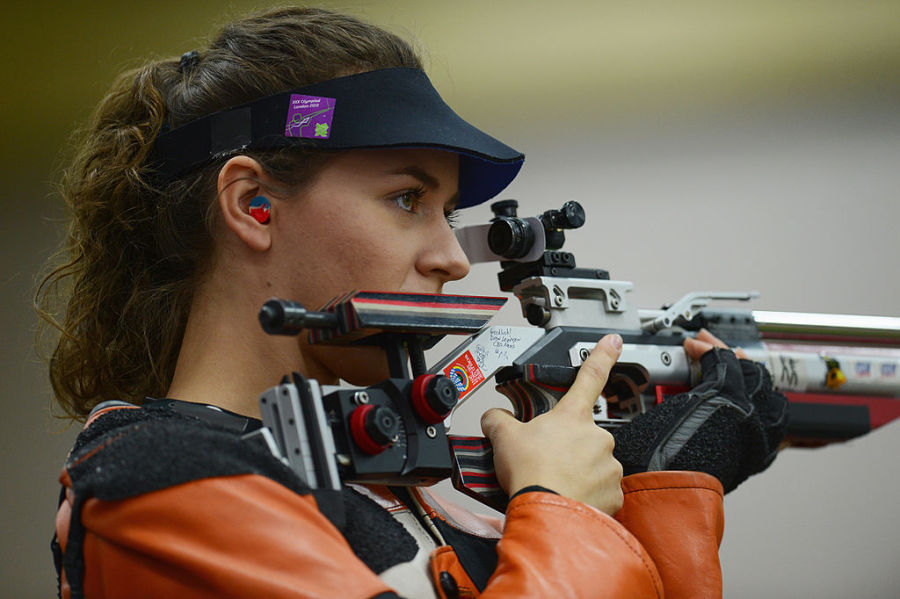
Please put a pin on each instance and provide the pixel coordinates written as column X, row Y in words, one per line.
column 169, row 506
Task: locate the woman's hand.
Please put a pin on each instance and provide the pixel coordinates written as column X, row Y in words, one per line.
column 729, row 425
column 563, row 450
column 705, row 341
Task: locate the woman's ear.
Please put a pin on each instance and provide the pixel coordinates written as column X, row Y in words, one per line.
column 239, row 182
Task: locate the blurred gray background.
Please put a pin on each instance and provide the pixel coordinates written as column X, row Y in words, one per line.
column 733, row 146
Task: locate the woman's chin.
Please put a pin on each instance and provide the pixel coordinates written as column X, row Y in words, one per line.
column 358, row 366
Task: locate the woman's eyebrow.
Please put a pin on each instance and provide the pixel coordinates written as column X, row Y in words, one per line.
column 419, row 173
column 428, row 180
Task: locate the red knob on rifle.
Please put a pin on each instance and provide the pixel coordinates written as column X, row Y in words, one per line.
column 433, row 397
column 374, row 428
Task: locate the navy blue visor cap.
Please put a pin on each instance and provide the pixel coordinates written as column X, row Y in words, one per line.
column 387, row 108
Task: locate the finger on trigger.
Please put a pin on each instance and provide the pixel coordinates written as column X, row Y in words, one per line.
column 593, row 374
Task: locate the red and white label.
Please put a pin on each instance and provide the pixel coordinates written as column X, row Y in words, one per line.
column 464, row 373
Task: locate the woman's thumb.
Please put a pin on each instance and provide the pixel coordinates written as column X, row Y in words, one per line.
column 495, row 419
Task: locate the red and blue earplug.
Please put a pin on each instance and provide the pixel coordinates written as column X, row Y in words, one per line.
column 260, row 208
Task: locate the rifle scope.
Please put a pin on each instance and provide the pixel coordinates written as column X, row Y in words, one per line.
column 513, row 237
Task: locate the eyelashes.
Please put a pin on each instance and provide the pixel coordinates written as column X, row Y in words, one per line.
column 452, row 217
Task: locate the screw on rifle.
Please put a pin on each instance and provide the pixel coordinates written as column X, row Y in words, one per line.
column 583, row 353
column 614, row 300
column 431, row 432
column 360, row 398
column 666, row 358
column 597, row 409
column 557, row 295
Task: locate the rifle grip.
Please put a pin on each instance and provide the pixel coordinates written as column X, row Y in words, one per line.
column 533, row 389
column 473, row 471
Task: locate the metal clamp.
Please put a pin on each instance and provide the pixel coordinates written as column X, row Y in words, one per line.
column 689, row 305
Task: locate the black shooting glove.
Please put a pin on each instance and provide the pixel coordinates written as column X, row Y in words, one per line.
column 729, row 425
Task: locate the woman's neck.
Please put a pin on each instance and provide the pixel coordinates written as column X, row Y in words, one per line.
column 227, row 360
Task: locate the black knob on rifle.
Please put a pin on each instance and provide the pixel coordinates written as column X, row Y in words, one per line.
column 284, row 317
column 505, row 208
column 537, row 315
column 570, row 216
column 433, row 397
column 555, row 222
column 373, row 428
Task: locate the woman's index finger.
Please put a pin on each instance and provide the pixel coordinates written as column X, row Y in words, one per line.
column 592, row 375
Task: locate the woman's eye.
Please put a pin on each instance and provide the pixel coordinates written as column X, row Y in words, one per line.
column 408, row 201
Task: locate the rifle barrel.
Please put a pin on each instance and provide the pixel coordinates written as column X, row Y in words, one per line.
column 841, row 328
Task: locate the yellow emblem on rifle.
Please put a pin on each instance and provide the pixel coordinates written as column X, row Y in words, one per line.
column 835, row 377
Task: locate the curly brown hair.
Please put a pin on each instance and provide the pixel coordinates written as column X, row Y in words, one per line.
column 119, row 292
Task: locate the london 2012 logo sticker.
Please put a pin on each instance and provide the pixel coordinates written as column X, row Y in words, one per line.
column 464, row 373
column 309, row 116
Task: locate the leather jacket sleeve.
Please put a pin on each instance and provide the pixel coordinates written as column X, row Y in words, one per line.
column 678, row 518
column 557, row 547
column 664, row 542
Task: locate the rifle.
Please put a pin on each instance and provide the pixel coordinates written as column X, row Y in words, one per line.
column 840, row 372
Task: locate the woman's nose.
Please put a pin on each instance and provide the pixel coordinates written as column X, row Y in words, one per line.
column 442, row 256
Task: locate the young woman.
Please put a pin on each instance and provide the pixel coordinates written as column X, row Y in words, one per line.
column 304, row 154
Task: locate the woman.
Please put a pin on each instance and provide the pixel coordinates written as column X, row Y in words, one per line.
column 186, row 217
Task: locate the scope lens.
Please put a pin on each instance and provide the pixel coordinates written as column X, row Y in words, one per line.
column 510, row 237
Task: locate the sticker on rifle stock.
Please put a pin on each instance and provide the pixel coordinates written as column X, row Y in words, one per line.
column 788, row 372
column 834, row 377
column 888, row 370
column 464, row 373
column 309, row 116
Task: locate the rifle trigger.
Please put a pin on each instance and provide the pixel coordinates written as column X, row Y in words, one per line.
column 559, row 378
column 626, row 383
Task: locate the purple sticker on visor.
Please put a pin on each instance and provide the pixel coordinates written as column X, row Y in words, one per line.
column 309, row 116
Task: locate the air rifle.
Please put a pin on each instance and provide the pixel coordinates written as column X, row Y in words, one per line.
column 839, row 372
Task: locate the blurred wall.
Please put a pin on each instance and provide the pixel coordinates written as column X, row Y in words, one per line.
column 748, row 146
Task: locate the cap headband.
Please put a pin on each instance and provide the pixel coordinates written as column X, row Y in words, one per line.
column 388, row 108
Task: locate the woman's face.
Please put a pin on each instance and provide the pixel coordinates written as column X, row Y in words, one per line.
column 372, row 220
